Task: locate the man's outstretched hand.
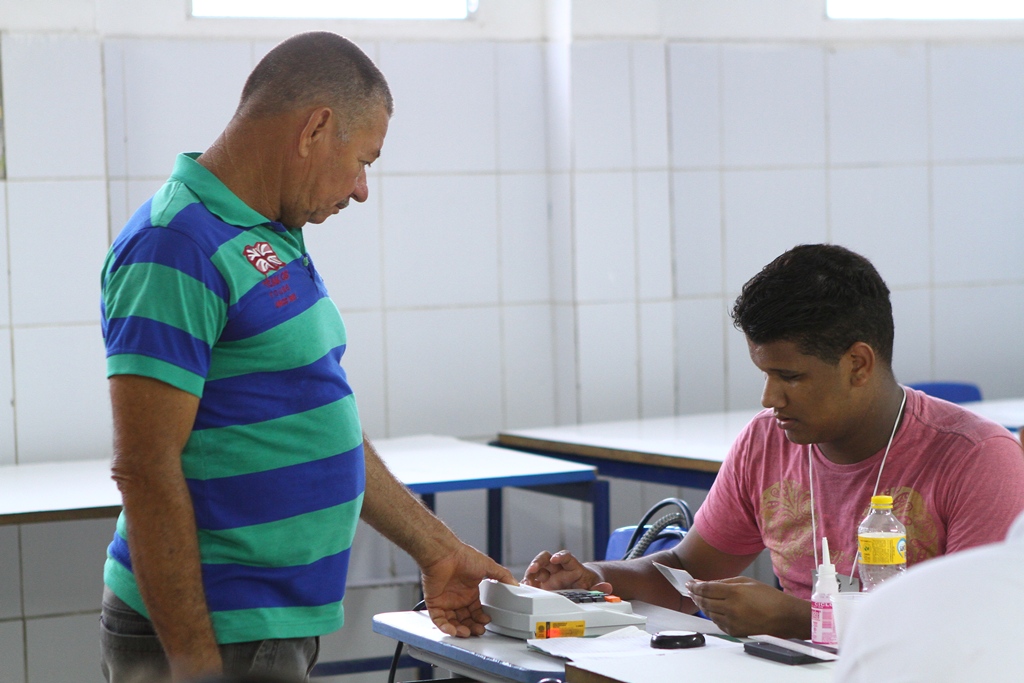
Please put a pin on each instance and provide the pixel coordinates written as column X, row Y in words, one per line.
column 451, row 589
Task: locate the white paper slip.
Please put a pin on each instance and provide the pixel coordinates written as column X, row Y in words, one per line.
column 677, row 577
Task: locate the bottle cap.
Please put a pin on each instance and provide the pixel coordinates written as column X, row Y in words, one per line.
column 826, row 560
column 881, row 501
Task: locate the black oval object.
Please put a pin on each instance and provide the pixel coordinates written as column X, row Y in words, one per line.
column 675, row 640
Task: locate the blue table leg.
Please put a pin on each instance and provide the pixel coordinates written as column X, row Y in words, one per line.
column 495, row 524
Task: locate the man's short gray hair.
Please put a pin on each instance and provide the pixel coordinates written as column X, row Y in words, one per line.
column 316, row 69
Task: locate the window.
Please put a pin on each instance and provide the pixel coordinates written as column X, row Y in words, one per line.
column 335, row 9
column 924, row 9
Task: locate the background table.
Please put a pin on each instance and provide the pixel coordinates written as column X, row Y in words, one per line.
column 1008, row 412
column 686, row 450
column 428, row 465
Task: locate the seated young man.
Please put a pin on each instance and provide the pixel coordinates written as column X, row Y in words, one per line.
column 836, row 429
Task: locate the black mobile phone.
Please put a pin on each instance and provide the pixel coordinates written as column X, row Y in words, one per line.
column 777, row 653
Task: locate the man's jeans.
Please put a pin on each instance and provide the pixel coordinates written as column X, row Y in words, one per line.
column 132, row 652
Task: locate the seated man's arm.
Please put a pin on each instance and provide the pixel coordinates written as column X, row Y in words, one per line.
column 739, row 605
column 152, row 422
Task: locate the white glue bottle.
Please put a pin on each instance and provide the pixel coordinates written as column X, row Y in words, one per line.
column 823, row 625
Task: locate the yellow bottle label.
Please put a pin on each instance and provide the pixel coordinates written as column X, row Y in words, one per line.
column 559, row 629
column 882, row 548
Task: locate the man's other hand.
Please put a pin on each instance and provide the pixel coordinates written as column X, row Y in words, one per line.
column 562, row 570
column 742, row 606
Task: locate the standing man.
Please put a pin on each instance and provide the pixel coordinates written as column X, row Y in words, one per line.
column 238, row 450
column 836, row 429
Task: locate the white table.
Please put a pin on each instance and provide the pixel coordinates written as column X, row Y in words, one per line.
column 83, row 489
column 427, row 465
column 1008, row 412
column 493, row 658
column 685, row 450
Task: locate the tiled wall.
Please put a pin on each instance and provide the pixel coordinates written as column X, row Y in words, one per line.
column 554, row 233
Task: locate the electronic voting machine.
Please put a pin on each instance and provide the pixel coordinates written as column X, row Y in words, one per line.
column 526, row 612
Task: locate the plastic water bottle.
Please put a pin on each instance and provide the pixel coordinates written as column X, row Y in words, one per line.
column 823, row 625
column 883, row 544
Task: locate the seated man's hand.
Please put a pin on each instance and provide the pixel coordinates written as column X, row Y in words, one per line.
column 451, row 589
column 562, row 570
column 743, row 607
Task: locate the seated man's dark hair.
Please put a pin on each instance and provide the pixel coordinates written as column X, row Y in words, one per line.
column 823, row 298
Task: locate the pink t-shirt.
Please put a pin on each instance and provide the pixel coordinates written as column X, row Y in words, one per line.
column 957, row 481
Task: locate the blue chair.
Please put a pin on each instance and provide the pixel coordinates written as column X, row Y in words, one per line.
column 667, row 532
column 954, row 392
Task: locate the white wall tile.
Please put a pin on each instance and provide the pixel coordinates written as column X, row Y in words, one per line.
column 5, row 307
column 608, row 362
column 10, row 580
column 63, row 564
column 653, row 234
column 61, row 388
column 912, row 347
column 566, row 365
column 445, row 106
column 601, row 118
column 698, row 234
column 140, row 191
column 558, row 62
column 364, row 364
column 521, row 87
column 627, row 505
column 444, row 372
column 560, row 194
column 7, row 447
column 577, row 535
column 370, row 559
column 462, row 511
column 64, row 649
column 878, row 104
column 356, row 638
column 700, row 355
column 169, row 107
column 767, row 213
column 113, row 108
column 53, row 106
column 532, row 524
column 695, row 105
column 529, row 366
column 650, row 104
column 773, row 105
column 12, row 652
column 525, row 238
column 440, row 240
column 346, row 249
column 117, row 207
column 978, row 210
column 745, row 382
column 57, row 227
column 882, row 213
column 977, row 106
column 657, row 359
column 605, row 239
column 976, row 340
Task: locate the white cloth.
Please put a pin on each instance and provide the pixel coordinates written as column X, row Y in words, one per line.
column 953, row 618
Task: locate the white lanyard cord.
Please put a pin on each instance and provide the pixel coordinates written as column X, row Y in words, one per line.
column 810, row 477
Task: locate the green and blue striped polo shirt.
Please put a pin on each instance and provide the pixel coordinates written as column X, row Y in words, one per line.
column 205, row 294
